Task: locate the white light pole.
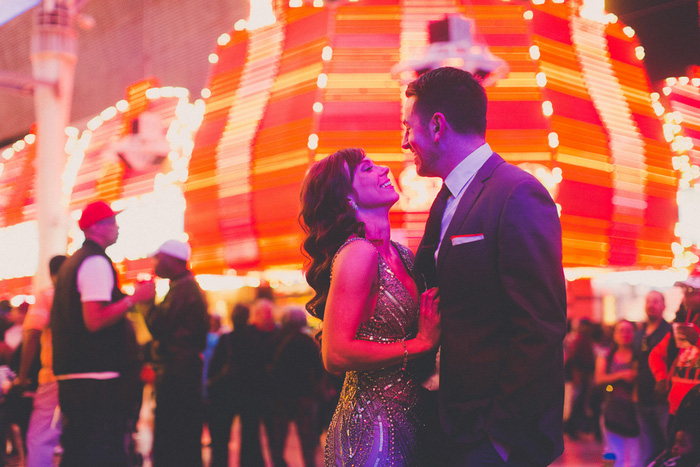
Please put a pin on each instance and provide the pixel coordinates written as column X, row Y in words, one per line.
column 53, row 55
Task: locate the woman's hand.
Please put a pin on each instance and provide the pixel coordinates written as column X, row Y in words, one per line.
column 429, row 320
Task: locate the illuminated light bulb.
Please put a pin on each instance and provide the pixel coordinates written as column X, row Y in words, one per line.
column 534, row 52
column 205, row 93
column 108, row 113
column 654, row 96
column 327, row 53
column 695, row 81
column 684, row 80
column 557, row 1
column 666, row 90
column 30, row 138
column 295, row 3
column 553, row 140
column 95, row 123
column 318, row 107
column 671, row 81
column 122, row 105
column 318, row 3
column 547, row 108
column 19, row 145
column 153, row 93
column 213, row 58
column 612, row 19
column 629, row 32
column 223, row 39
column 557, row 174
column 658, row 109
column 528, row 15
column 313, row 141
column 8, row 153
column 639, row 52
column 541, row 79
column 322, row 80
column 538, row 2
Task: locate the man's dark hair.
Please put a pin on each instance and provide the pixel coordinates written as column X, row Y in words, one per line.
column 456, row 94
column 55, row 264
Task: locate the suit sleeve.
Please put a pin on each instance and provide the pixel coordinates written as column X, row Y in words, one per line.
column 530, row 269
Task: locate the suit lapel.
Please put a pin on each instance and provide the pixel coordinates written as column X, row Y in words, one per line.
column 466, row 203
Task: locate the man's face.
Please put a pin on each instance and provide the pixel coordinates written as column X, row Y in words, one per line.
column 654, row 305
column 108, row 230
column 418, row 139
column 163, row 265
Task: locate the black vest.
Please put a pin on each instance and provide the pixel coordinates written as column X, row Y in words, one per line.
column 75, row 349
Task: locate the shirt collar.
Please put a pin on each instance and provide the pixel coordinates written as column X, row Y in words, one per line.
column 465, row 170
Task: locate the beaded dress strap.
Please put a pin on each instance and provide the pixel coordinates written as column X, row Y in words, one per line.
column 349, row 241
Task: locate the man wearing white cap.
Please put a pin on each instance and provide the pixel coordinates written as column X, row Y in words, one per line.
column 91, row 345
column 179, row 325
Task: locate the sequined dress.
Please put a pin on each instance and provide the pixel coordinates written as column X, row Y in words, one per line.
column 379, row 415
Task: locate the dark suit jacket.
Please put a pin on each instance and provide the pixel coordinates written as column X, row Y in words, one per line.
column 503, row 308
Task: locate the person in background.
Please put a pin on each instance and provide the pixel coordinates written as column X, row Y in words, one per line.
column 580, row 365
column 296, row 372
column 652, row 407
column 682, row 372
column 235, row 379
column 45, row 423
column 617, row 371
column 179, row 326
column 91, row 341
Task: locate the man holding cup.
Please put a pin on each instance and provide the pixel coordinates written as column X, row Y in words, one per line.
column 682, row 372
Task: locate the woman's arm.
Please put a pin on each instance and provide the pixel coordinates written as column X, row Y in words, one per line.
column 351, row 301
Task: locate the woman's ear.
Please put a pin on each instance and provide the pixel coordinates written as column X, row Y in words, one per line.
column 352, row 203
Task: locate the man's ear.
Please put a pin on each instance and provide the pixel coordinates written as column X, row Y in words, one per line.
column 437, row 126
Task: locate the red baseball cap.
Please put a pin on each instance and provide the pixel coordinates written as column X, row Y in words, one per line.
column 95, row 212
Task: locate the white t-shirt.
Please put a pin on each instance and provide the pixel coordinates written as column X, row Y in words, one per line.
column 95, row 279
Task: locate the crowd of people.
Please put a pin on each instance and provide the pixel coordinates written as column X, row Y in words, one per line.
column 636, row 388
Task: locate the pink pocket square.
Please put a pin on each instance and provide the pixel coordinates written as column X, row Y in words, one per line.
column 461, row 239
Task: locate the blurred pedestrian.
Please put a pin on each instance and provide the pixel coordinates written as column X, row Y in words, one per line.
column 296, row 373
column 579, row 366
column 652, row 406
column 681, row 374
column 617, row 372
column 235, row 380
column 179, row 326
column 45, row 422
column 91, row 342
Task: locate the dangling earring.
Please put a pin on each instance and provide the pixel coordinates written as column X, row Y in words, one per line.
column 353, row 204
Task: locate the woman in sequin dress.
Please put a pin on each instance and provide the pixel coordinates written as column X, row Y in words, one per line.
column 374, row 322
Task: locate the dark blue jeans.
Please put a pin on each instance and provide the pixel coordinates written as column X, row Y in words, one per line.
column 94, row 423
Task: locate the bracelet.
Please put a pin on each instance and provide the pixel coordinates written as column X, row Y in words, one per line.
column 405, row 355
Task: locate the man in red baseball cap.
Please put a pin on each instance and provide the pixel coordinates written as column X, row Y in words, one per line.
column 91, row 338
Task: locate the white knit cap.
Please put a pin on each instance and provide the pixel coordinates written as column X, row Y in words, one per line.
column 176, row 249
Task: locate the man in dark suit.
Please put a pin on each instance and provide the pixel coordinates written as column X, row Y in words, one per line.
column 493, row 247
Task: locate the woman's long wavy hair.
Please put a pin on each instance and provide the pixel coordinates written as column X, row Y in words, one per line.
column 327, row 219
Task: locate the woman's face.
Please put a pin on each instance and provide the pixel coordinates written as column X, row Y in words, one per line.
column 624, row 333
column 372, row 186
